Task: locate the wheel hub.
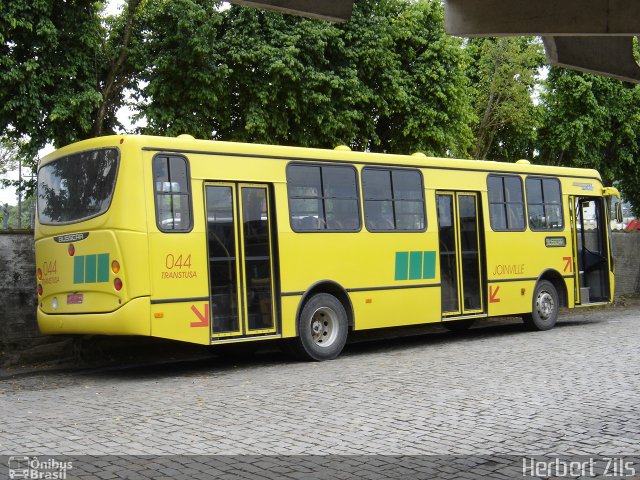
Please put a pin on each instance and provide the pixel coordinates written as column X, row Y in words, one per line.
column 316, row 327
column 545, row 305
column 324, row 326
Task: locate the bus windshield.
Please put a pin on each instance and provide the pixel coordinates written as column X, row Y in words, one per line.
column 77, row 187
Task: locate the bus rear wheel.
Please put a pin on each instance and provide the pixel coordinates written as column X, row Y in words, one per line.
column 322, row 329
column 544, row 313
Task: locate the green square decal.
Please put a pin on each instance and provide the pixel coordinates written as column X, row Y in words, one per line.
column 90, row 269
column 402, row 265
column 103, row 267
column 78, row 269
column 429, row 265
column 415, row 265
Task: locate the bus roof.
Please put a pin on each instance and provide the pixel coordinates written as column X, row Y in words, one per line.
column 187, row 144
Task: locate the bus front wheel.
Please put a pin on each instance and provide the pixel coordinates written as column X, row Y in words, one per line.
column 544, row 313
column 322, row 329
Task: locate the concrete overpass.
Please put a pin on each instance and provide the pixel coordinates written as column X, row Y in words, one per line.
column 594, row 36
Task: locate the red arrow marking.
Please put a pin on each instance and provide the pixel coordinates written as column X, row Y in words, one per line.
column 568, row 264
column 493, row 293
column 204, row 319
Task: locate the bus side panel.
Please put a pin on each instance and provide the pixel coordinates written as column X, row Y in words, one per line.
column 515, row 260
column 370, row 267
column 185, row 321
column 395, row 307
column 179, row 275
column 289, row 309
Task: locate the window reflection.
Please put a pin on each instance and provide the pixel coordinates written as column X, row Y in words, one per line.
column 171, row 183
column 77, row 187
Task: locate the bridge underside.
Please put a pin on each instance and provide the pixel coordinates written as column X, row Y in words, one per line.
column 589, row 35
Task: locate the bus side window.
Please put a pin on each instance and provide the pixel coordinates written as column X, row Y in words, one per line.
column 506, row 203
column 393, row 200
column 544, row 203
column 172, row 193
column 323, row 198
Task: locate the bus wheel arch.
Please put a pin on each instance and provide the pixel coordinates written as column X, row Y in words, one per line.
column 549, row 295
column 558, row 282
column 322, row 323
column 332, row 288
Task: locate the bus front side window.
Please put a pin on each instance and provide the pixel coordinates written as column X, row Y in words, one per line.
column 544, row 204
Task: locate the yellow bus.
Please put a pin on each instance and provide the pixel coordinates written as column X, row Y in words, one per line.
column 216, row 242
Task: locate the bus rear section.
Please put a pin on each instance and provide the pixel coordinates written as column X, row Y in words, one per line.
column 91, row 244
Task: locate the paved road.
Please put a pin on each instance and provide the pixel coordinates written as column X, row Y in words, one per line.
column 496, row 390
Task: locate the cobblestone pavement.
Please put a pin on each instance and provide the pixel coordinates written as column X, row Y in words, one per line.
column 495, row 390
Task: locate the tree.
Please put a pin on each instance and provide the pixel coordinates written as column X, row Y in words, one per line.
column 13, row 157
column 414, row 86
column 181, row 69
column 62, row 71
column 593, row 122
column 8, row 159
column 388, row 80
column 503, row 72
column 9, row 215
column 117, row 71
column 48, row 70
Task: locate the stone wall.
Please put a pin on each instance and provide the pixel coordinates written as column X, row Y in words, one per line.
column 18, row 297
column 626, row 251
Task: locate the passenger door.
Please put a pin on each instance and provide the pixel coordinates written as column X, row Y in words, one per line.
column 460, row 254
column 240, row 250
column 591, row 251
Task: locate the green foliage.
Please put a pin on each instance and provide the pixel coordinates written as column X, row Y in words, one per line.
column 412, row 79
column 592, row 121
column 48, row 70
column 14, row 217
column 8, row 158
column 13, row 155
column 62, row 73
column 288, row 81
column 388, row 80
column 178, row 55
column 504, row 73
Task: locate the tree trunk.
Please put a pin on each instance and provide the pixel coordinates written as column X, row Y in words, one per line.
column 111, row 84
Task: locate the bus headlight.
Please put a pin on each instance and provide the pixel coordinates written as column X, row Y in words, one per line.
column 54, row 303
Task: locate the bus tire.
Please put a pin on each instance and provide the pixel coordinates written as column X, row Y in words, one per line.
column 545, row 306
column 458, row 325
column 322, row 329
